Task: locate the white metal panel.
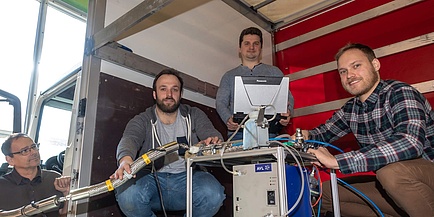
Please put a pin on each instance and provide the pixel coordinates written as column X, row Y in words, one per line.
column 202, row 42
column 133, row 76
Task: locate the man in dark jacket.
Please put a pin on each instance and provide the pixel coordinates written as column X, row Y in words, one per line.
column 27, row 182
column 160, row 124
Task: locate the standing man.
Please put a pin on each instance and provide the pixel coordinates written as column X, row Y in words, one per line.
column 160, row 124
column 394, row 126
column 27, row 182
column 250, row 52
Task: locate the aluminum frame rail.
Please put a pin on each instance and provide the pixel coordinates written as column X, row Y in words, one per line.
column 93, row 190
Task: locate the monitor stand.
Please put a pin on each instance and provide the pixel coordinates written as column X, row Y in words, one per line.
column 255, row 133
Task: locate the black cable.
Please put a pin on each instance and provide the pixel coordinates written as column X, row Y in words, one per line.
column 154, row 171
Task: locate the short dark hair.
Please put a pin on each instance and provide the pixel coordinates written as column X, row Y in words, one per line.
column 167, row 72
column 6, row 146
column 369, row 53
column 251, row 31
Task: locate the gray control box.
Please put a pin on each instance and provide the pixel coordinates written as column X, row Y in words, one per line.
column 256, row 190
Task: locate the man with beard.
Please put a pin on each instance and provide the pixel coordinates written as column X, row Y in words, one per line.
column 27, row 182
column 165, row 187
column 250, row 53
column 394, row 127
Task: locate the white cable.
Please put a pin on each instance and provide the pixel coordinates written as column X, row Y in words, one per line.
column 275, row 114
column 238, row 128
column 188, row 120
column 301, row 175
column 223, row 165
column 154, row 135
column 284, row 136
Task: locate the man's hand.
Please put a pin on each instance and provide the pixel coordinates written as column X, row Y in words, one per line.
column 231, row 124
column 62, row 184
column 124, row 165
column 285, row 121
column 325, row 159
column 210, row 140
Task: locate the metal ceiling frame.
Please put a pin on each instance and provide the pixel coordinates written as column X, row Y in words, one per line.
column 253, row 13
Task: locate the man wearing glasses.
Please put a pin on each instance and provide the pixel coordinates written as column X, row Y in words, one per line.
column 27, row 182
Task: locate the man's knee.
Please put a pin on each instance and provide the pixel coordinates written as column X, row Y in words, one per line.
column 209, row 189
column 392, row 176
column 132, row 193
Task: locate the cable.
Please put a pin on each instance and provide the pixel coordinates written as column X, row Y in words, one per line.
column 284, row 136
column 301, row 175
column 188, row 121
column 319, row 207
column 274, row 115
column 325, row 144
column 363, row 195
column 238, row 128
column 343, row 182
column 278, row 139
column 319, row 186
column 96, row 189
column 154, row 171
column 223, row 164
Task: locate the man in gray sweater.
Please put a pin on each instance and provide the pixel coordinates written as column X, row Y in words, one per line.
column 250, row 53
column 165, row 187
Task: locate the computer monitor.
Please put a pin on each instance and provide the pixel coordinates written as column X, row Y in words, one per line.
column 253, row 92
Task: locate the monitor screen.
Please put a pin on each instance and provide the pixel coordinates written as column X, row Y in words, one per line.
column 252, row 92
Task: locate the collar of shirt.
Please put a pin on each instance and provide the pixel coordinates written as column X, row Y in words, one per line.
column 16, row 178
column 253, row 66
column 372, row 99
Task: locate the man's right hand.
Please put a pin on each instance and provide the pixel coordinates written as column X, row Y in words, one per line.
column 231, row 124
column 124, row 165
column 325, row 159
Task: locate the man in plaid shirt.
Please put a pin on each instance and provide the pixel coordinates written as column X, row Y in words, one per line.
column 394, row 127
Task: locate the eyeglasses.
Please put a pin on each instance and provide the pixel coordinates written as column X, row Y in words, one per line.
column 26, row 151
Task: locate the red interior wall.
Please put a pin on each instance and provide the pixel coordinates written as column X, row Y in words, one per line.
column 412, row 66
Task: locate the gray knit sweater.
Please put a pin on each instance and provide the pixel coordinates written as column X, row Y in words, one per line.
column 225, row 93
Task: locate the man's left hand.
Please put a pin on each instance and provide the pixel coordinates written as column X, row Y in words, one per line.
column 210, row 140
column 284, row 121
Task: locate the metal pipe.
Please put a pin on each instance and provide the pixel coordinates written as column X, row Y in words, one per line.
column 335, row 193
column 93, row 190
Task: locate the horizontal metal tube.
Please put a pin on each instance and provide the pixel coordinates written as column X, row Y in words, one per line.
column 93, row 190
column 34, row 208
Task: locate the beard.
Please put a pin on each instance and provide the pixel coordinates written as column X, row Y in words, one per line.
column 167, row 108
column 370, row 83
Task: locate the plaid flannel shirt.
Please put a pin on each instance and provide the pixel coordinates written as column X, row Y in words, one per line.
column 395, row 123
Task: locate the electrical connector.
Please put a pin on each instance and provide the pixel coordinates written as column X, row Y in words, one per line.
column 313, row 184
